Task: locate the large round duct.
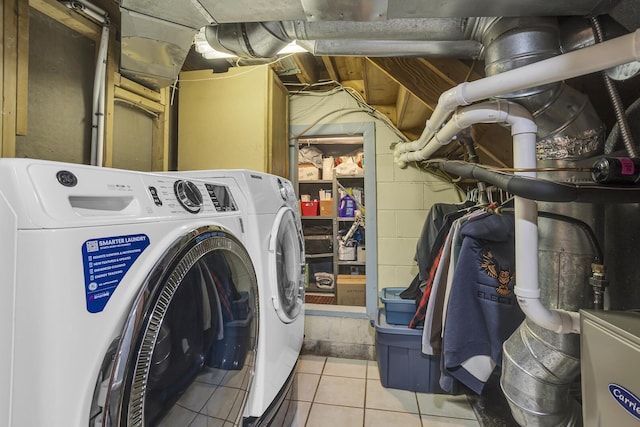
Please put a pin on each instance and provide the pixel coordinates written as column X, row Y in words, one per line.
column 568, row 126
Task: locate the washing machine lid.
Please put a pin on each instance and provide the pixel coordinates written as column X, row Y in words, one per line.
column 286, row 264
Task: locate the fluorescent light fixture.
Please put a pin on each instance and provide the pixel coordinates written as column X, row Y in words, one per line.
column 204, row 48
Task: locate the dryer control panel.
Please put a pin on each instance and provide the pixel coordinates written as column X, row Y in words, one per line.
column 48, row 194
column 194, row 196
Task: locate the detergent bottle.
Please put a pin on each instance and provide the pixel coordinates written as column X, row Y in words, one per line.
column 347, row 206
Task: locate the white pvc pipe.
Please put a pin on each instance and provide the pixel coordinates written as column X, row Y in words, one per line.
column 101, row 110
column 487, row 112
column 99, row 81
column 527, row 287
column 95, row 9
column 598, row 57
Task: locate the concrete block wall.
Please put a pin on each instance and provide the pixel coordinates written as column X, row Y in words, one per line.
column 348, row 337
column 404, row 199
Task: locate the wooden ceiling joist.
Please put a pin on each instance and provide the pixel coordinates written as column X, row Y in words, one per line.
column 330, row 65
column 411, row 112
column 307, row 66
column 415, row 76
column 379, row 88
column 67, row 17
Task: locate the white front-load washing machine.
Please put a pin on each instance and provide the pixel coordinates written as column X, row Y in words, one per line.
column 126, row 298
column 274, row 221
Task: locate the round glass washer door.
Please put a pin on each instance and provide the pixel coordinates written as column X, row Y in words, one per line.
column 286, row 263
column 187, row 350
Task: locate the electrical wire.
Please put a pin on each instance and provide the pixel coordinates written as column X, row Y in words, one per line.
column 364, row 108
column 222, row 77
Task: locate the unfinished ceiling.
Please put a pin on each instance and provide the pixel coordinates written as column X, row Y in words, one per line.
column 399, row 55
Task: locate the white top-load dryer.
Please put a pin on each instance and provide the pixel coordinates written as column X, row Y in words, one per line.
column 276, row 241
column 126, row 298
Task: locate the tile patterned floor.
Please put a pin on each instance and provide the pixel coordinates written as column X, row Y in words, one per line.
column 337, row 392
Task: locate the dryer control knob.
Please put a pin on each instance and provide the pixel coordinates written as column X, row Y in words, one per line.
column 188, row 195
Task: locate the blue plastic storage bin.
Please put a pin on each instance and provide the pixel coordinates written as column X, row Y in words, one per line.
column 399, row 311
column 400, row 360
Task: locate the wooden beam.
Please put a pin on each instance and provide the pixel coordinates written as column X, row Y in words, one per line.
column 109, row 100
column 452, row 70
column 160, row 135
column 134, row 87
column 379, row 88
column 496, row 143
column 415, row 76
column 10, row 66
column 306, row 63
column 349, row 67
column 412, row 113
column 22, row 89
column 67, row 17
column 331, row 68
column 138, row 101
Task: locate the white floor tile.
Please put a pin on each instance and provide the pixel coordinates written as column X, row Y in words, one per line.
column 178, row 416
column 307, row 386
column 218, row 404
column 196, row 396
column 376, row 418
column 448, row 422
column 204, row 421
column 302, row 413
column 443, row 405
column 211, row 376
column 310, row 364
column 372, row 370
column 234, row 379
column 352, row 368
column 341, row 391
column 390, row 399
column 334, row 416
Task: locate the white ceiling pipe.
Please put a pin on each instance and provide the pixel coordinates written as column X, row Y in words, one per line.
column 97, row 118
column 611, row 53
column 527, row 287
column 487, row 112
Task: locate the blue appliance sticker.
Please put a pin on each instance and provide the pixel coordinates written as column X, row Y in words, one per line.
column 106, row 260
column 626, row 399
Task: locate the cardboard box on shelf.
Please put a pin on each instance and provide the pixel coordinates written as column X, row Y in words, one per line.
column 351, row 289
column 308, row 172
column 326, row 207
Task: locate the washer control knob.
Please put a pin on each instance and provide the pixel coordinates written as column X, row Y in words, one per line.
column 188, row 195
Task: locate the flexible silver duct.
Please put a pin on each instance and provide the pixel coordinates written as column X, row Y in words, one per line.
column 616, row 101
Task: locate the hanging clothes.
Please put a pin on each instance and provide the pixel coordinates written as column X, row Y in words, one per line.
column 434, row 231
column 482, row 311
column 435, row 313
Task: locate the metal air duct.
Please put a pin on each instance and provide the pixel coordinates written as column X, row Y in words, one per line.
column 540, row 366
column 441, row 37
column 157, row 34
